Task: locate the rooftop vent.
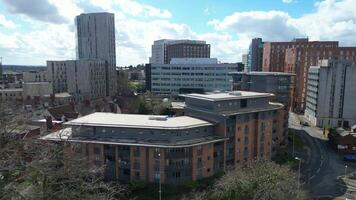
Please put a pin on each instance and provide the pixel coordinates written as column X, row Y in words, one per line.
column 235, row 93
column 158, row 118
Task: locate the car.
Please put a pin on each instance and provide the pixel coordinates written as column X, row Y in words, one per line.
column 350, row 158
column 304, row 123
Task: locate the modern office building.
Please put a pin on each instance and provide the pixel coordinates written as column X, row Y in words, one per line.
column 219, row 130
column 164, row 50
column 278, row 83
column 298, row 61
column 331, row 94
column 83, row 79
column 96, row 40
column 188, row 75
column 274, row 52
column 255, row 55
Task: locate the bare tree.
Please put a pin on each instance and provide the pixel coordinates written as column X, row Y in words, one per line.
column 257, row 181
column 36, row 169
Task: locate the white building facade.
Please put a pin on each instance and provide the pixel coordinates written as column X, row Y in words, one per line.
column 331, row 94
column 36, row 89
column 96, row 40
column 186, row 75
column 83, row 79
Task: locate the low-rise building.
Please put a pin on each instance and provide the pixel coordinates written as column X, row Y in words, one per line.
column 219, row 130
column 331, row 94
column 34, row 76
column 343, row 140
column 11, row 94
column 37, row 90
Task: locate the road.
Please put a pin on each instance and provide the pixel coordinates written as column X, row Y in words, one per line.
column 321, row 164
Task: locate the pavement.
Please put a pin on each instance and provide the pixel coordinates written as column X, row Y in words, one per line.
column 321, row 165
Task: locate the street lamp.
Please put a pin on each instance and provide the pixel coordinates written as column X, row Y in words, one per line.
column 345, row 170
column 293, row 143
column 300, row 161
column 159, row 181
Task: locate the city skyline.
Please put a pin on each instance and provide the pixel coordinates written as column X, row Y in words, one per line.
column 44, row 30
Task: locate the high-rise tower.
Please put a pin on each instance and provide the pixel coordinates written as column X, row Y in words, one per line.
column 96, row 40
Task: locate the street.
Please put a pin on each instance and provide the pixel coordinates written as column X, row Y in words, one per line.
column 321, row 165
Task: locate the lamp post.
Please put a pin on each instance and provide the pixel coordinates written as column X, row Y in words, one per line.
column 345, row 170
column 159, row 181
column 300, row 161
column 293, row 143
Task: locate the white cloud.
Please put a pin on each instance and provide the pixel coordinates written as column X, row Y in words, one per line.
column 135, row 8
column 138, row 25
column 6, row 23
column 67, row 9
column 333, row 20
column 288, row 1
column 271, row 25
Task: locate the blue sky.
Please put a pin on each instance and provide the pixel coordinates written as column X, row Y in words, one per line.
column 32, row 32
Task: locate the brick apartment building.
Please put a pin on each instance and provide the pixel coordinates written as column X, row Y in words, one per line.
column 274, row 52
column 219, row 129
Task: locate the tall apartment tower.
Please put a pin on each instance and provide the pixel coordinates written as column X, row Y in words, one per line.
column 255, row 55
column 331, row 93
column 164, row 50
column 96, row 40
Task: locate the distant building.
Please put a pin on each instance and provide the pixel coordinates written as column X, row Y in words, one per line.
column 83, row 79
column 343, row 140
column 219, row 130
column 274, row 52
column 331, row 94
column 255, row 55
column 34, row 76
column 278, row 83
column 36, row 90
column 188, row 75
column 96, row 40
column 11, row 94
column 11, row 78
column 245, row 60
column 298, row 61
column 164, row 50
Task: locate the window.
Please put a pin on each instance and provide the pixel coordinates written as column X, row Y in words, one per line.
column 243, row 103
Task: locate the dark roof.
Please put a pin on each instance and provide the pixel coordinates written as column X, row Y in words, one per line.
column 64, row 110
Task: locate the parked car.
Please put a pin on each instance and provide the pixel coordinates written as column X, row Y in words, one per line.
column 350, row 158
column 304, row 123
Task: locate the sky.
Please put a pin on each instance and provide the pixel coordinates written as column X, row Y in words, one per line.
column 33, row 31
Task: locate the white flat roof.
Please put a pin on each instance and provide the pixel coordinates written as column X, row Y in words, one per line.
column 138, row 121
column 228, row 95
